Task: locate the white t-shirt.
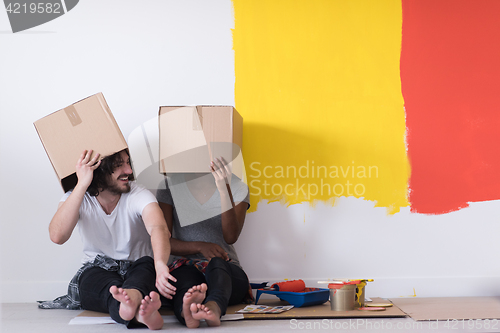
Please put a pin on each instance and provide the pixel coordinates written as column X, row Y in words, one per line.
column 120, row 235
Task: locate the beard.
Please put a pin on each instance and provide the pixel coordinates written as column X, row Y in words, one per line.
column 115, row 187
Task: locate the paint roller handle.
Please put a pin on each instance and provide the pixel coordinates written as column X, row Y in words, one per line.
column 333, row 281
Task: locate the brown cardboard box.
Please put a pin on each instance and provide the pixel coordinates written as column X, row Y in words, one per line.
column 65, row 134
column 192, row 136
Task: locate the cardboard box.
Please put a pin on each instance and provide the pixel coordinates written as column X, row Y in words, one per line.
column 65, row 134
column 192, row 136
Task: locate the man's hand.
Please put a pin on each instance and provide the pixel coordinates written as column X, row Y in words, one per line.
column 162, row 283
column 211, row 250
column 85, row 168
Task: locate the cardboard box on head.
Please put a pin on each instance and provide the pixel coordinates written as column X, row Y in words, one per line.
column 86, row 124
column 192, row 136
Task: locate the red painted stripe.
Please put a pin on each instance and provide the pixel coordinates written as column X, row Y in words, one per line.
column 450, row 72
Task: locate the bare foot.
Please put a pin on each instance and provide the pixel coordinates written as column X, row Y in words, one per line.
column 129, row 301
column 209, row 311
column 194, row 295
column 148, row 311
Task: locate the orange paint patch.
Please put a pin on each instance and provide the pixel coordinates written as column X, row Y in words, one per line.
column 449, row 73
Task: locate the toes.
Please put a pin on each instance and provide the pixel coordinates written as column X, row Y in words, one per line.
column 187, row 297
column 154, row 296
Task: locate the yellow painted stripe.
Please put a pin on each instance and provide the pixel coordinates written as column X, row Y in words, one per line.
column 318, row 85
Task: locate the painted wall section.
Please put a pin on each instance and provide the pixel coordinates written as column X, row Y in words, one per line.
column 449, row 75
column 318, row 86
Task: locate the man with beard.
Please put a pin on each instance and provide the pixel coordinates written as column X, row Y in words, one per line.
column 122, row 230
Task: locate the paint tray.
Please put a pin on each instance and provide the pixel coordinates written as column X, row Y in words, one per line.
column 310, row 296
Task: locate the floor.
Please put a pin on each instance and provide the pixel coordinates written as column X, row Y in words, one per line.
column 27, row 318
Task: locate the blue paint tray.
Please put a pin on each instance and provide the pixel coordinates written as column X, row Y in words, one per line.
column 258, row 285
column 310, row 296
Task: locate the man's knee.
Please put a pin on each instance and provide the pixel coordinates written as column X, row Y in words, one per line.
column 145, row 260
column 94, row 287
column 144, row 263
column 97, row 275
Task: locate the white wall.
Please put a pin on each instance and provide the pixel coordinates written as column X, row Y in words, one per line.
column 143, row 54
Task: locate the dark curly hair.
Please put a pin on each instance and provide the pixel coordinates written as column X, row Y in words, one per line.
column 107, row 167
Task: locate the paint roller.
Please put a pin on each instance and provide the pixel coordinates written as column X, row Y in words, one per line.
column 294, row 286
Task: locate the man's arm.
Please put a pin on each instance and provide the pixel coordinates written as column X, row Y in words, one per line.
column 160, row 240
column 183, row 248
column 66, row 217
